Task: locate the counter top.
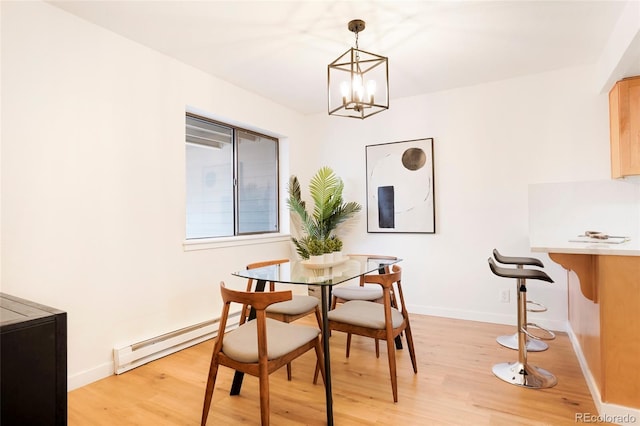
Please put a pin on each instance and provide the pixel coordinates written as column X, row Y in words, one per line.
column 628, row 248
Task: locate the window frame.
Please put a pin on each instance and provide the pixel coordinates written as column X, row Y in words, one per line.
column 235, row 162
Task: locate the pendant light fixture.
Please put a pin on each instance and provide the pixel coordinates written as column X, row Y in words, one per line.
column 358, row 81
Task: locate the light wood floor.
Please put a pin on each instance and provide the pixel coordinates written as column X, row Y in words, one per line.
column 454, row 386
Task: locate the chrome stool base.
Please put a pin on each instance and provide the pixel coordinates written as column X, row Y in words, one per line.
column 511, row 342
column 524, row 375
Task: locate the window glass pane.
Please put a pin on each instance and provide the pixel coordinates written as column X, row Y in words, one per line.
column 209, row 168
column 257, row 183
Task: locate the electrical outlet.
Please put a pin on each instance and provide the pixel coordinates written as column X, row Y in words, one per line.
column 504, row 295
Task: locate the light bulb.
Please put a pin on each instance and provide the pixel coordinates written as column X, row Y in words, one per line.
column 358, row 88
column 371, row 90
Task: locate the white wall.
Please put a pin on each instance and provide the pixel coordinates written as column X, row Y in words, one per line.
column 562, row 211
column 93, row 182
column 491, row 142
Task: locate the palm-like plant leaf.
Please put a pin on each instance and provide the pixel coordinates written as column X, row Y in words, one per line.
column 301, row 246
column 342, row 213
column 296, row 204
column 326, row 190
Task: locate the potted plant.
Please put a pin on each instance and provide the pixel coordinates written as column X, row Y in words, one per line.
column 329, row 208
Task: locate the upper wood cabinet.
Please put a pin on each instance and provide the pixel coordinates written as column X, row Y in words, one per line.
column 624, row 118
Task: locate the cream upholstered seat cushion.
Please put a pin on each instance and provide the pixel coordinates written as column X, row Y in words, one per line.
column 296, row 305
column 364, row 314
column 357, row 292
column 241, row 344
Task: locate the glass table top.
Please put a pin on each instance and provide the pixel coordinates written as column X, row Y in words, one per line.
column 322, row 274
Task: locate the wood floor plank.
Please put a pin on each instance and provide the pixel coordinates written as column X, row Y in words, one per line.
column 454, row 386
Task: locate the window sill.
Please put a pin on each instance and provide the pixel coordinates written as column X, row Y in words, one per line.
column 244, row 240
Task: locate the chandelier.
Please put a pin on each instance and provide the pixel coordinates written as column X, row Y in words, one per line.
column 354, row 79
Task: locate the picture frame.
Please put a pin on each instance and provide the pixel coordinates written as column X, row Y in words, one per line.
column 400, row 187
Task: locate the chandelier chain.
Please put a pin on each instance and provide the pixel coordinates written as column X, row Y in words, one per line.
column 357, row 53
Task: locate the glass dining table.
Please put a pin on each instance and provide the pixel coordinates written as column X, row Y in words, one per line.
column 324, row 275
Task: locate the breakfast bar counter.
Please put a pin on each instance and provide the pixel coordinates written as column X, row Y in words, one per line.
column 627, row 248
column 604, row 313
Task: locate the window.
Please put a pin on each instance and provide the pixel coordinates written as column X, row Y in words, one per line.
column 232, row 180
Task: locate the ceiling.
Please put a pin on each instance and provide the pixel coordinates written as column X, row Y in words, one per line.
column 280, row 49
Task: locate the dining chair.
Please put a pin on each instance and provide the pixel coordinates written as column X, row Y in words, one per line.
column 258, row 347
column 378, row 320
column 298, row 307
column 361, row 291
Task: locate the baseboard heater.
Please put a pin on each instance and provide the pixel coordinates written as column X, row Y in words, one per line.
column 134, row 355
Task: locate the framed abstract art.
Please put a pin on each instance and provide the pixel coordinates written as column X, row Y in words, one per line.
column 400, row 188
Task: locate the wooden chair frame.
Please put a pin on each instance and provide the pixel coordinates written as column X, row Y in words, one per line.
column 264, row 367
column 246, row 308
column 389, row 333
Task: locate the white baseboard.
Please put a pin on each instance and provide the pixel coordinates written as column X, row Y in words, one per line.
column 555, row 325
column 83, row 378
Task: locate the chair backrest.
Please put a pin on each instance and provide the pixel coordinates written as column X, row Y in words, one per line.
column 383, row 270
column 388, row 282
column 260, row 265
column 250, row 284
column 385, row 280
column 258, row 300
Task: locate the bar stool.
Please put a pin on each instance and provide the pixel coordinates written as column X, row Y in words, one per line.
column 511, row 341
column 520, row 373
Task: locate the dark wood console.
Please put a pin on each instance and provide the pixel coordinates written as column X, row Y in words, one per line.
column 33, row 363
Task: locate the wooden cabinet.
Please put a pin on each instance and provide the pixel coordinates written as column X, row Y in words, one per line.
column 33, row 363
column 604, row 317
column 624, row 123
